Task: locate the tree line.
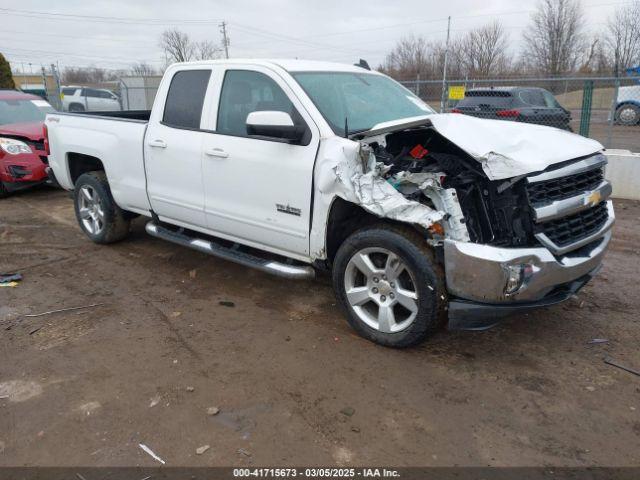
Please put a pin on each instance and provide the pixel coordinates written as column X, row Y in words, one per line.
column 554, row 43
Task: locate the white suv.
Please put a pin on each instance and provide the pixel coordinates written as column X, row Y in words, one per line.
column 81, row 99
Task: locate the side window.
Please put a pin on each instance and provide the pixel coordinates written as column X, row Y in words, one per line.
column 69, row 91
column 90, row 92
column 533, row 98
column 243, row 92
column 185, row 98
column 550, row 100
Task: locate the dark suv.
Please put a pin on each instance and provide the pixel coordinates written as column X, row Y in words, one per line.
column 518, row 104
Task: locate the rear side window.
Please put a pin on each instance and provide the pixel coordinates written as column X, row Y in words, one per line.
column 490, row 98
column 533, row 98
column 69, row 91
column 183, row 108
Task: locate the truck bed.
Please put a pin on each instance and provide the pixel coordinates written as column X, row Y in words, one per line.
column 124, row 115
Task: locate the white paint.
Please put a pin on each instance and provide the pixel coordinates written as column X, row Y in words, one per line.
column 623, row 171
column 41, row 103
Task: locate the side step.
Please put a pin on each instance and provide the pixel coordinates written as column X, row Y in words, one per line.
column 296, row 272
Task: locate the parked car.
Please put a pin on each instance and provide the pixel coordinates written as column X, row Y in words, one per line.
column 81, row 99
column 628, row 105
column 292, row 166
column 518, row 104
column 23, row 150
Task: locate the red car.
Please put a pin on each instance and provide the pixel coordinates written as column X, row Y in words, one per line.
column 23, row 148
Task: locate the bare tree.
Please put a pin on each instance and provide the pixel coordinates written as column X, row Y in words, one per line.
column 178, row 47
column 554, row 41
column 483, row 51
column 408, row 59
column 143, row 69
column 622, row 37
column 86, row 75
column 206, row 50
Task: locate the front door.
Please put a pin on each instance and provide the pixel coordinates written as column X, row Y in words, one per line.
column 173, row 151
column 258, row 191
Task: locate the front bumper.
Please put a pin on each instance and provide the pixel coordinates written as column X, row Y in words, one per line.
column 477, row 277
column 21, row 171
column 469, row 315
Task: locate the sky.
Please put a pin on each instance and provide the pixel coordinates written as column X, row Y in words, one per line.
column 115, row 34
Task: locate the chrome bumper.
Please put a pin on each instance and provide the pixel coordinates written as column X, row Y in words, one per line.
column 479, row 272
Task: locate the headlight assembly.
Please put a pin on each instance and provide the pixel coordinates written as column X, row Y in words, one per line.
column 14, row 147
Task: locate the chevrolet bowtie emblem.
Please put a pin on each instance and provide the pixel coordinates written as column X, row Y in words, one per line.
column 594, row 199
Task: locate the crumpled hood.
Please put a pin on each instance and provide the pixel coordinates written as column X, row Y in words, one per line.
column 505, row 149
column 31, row 130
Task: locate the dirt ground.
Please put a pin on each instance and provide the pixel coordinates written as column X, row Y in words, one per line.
column 293, row 384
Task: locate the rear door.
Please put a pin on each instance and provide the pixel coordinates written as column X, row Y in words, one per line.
column 173, row 149
column 258, row 191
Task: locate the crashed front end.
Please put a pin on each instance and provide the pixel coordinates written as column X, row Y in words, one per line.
column 518, row 223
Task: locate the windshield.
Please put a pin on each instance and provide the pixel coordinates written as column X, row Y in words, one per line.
column 23, row 111
column 362, row 99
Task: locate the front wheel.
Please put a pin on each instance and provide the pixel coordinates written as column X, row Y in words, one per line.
column 387, row 281
column 97, row 213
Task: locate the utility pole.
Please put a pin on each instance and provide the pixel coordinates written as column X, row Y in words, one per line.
column 444, row 72
column 225, row 39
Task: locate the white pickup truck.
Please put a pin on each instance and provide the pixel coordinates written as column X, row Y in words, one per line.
column 293, row 166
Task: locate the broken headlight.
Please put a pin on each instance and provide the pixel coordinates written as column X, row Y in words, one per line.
column 14, row 147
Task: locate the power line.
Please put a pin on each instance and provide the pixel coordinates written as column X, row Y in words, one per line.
column 103, row 19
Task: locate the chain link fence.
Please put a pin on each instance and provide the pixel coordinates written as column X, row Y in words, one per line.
column 606, row 109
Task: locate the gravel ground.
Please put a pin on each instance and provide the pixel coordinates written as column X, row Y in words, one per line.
column 293, row 384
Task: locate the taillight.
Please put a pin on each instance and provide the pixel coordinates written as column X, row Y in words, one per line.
column 45, row 132
column 508, row 113
column 455, row 110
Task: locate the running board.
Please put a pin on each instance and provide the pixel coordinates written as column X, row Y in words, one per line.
column 295, row 272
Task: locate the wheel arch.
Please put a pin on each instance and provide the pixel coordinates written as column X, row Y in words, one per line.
column 79, row 163
column 345, row 218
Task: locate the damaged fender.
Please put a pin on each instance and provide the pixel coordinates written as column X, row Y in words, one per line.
column 350, row 171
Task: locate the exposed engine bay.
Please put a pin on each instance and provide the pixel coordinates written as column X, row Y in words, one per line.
column 427, row 168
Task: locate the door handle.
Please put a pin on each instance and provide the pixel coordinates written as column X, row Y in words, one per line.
column 216, row 152
column 158, row 143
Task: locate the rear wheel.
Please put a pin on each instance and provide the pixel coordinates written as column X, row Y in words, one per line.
column 96, row 211
column 76, row 107
column 390, row 286
column 628, row 114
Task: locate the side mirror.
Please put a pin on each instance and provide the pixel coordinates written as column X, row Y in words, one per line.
column 274, row 124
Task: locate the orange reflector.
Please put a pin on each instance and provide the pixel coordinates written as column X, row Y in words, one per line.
column 437, row 229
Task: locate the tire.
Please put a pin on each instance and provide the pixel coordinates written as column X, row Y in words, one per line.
column 628, row 114
column 372, row 295
column 76, row 107
column 97, row 213
column 4, row 193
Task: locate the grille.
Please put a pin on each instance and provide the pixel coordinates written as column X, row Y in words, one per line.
column 571, row 229
column 36, row 145
column 564, row 187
